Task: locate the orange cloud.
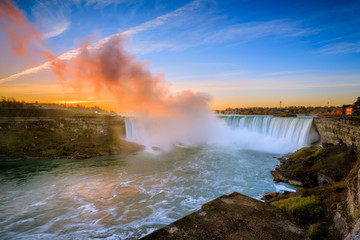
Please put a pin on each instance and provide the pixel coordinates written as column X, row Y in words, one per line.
column 24, row 40
column 112, row 69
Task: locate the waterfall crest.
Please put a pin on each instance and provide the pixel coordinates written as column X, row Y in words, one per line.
column 297, row 130
column 262, row 133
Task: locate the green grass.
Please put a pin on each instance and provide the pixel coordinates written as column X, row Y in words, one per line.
column 318, row 152
column 304, row 210
column 302, row 154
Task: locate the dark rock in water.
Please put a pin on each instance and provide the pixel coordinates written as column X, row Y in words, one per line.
column 233, row 216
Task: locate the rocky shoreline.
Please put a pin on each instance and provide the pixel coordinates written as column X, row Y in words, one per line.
column 326, row 206
column 327, row 203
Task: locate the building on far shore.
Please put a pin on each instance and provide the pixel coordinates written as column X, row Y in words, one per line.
column 353, row 109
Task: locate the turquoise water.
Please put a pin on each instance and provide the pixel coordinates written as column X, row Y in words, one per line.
column 123, row 197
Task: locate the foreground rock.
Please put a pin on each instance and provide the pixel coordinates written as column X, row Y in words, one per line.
column 233, row 216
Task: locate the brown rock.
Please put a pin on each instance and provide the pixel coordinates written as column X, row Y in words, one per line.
column 233, row 216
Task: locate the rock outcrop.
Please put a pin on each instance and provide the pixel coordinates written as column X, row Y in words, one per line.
column 315, row 166
column 233, row 216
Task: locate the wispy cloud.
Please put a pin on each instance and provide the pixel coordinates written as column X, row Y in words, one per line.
column 104, row 3
column 233, row 81
column 142, row 27
column 251, row 30
column 53, row 17
column 286, row 73
column 161, row 20
column 176, row 31
column 57, row 30
column 181, row 33
column 340, row 48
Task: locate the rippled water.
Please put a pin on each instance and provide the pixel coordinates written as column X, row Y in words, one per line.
column 123, row 197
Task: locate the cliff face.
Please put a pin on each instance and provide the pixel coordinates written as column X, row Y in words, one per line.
column 55, row 137
column 339, row 130
column 345, row 130
column 331, row 172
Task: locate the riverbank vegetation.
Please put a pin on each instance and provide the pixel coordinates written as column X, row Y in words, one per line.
column 326, row 204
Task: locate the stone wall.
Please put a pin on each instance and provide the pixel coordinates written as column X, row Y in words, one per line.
column 339, row 130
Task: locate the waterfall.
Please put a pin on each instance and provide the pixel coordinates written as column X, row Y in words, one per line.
column 296, row 130
column 130, row 130
column 263, row 133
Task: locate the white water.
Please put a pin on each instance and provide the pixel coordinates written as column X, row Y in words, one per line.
column 129, row 196
column 294, row 130
column 261, row 133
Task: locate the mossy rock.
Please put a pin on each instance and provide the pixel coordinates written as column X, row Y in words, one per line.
column 304, row 210
column 302, row 154
column 304, row 165
column 318, row 152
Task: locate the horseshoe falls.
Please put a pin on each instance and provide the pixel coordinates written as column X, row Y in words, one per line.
column 295, row 130
column 262, row 133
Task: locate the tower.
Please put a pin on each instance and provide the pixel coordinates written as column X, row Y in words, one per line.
column 280, row 104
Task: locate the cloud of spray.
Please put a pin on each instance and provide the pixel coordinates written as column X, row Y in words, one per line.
column 24, row 40
column 166, row 119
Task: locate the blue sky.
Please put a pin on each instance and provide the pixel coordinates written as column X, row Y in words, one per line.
column 243, row 53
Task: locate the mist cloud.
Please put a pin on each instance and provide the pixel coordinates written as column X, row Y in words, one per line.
column 24, row 39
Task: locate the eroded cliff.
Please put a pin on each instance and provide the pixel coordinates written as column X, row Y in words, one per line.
column 56, row 137
column 337, row 130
